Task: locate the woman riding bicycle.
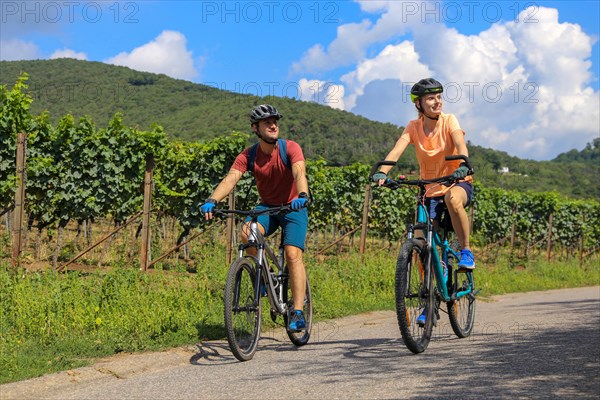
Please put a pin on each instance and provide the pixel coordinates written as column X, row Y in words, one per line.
column 436, row 135
column 277, row 184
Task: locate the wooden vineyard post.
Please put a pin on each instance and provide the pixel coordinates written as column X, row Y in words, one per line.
column 549, row 245
column 19, row 213
column 365, row 219
column 130, row 220
column 513, row 231
column 230, row 229
column 581, row 241
column 145, row 247
column 471, row 212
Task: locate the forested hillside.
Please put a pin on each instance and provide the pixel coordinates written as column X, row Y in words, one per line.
column 190, row 111
column 195, row 112
column 589, row 155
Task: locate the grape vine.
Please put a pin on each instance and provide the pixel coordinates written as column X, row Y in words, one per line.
column 77, row 171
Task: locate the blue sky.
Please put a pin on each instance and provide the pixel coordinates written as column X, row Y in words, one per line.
column 522, row 77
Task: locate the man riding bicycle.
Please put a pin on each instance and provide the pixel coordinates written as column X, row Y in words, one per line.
column 278, row 182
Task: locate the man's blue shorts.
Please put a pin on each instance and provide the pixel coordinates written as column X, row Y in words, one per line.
column 293, row 224
column 436, row 206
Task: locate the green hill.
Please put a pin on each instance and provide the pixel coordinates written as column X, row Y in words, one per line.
column 190, row 111
column 573, row 178
column 589, row 155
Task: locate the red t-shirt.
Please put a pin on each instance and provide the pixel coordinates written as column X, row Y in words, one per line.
column 274, row 181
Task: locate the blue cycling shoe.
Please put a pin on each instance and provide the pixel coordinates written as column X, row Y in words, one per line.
column 421, row 319
column 297, row 321
column 467, row 260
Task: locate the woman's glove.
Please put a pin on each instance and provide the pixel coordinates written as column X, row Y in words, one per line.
column 461, row 171
column 379, row 176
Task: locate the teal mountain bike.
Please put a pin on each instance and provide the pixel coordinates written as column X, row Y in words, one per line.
column 427, row 272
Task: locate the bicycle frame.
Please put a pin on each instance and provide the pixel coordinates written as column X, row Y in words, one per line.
column 418, row 301
column 272, row 279
column 435, row 263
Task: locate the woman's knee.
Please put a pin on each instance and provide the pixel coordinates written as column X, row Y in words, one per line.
column 455, row 199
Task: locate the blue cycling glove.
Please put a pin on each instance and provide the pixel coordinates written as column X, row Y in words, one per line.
column 208, row 206
column 299, row 202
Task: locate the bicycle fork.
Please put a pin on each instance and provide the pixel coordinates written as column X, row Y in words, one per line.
column 428, row 273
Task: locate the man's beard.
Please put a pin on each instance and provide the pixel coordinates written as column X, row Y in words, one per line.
column 267, row 139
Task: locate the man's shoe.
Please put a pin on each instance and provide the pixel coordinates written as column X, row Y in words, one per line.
column 467, row 261
column 297, row 321
column 421, row 319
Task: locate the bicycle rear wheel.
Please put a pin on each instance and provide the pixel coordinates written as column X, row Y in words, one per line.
column 301, row 337
column 242, row 310
column 414, row 295
column 462, row 310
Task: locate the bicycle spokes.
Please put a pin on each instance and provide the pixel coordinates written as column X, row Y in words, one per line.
column 414, row 297
column 300, row 337
column 461, row 310
column 242, row 309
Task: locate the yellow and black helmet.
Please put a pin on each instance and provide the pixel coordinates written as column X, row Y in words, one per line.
column 425, row 86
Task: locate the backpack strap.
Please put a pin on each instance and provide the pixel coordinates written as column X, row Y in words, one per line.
column 281, row 144
column 252, row 157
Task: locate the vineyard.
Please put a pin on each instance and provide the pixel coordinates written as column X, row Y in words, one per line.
column 85, row 184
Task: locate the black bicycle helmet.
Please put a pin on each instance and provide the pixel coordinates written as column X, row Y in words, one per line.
column 264, row 111
column 425, row 86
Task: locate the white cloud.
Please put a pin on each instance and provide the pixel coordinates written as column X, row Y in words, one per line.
column 349, row 46
column 399, row 62
column 322, row 92
column 353, row 39
column 68, row 53
column 16, row 49
column 521, row 86
column 553, row 50
column 167, row 54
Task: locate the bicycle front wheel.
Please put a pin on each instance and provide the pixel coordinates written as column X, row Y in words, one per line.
column 242, row 309
column 414, row 296
column 299, row 338
column 462, row 310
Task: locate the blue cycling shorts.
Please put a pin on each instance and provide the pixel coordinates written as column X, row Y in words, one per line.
column 293, row 224
column 436, row 206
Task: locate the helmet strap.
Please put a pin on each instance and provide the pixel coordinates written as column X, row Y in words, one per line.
column 272, row 141
column 266, row 140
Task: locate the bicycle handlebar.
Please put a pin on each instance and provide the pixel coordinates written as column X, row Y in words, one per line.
column 255, row 213
column 391, row 183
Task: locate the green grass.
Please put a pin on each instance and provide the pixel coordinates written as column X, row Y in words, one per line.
column 52, row 322
column 536, row 275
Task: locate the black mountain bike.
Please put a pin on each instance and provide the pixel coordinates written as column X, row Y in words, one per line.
column 249, row 279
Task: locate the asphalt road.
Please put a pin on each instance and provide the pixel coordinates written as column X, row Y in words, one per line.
column 531, row 345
